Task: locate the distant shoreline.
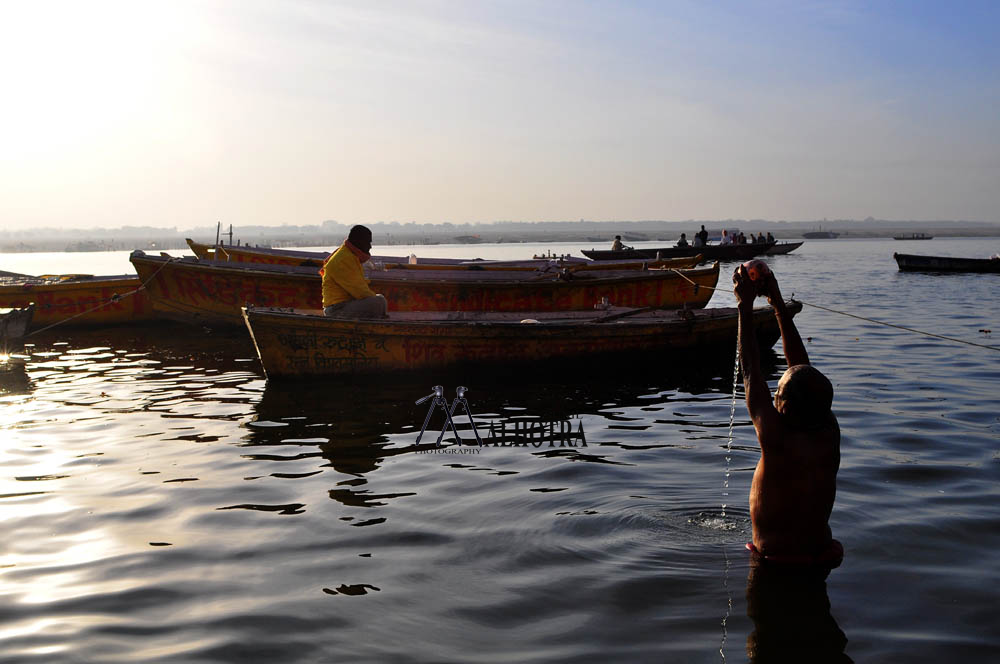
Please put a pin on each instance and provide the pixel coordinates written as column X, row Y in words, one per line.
column 586, row 233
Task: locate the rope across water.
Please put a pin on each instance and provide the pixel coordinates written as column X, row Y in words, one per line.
column 870, row 320
column 114, row 298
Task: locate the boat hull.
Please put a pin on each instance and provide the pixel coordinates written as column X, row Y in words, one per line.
column 783, row 248
column 917, row 263
column 86, row 301
column 14, row 325
column 212, row 293
column 713, row 252
column 294, row 344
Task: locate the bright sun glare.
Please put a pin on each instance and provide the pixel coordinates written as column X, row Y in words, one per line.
column 76, row 71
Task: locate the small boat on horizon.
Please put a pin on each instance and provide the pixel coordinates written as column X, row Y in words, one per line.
column 295, row 344
column 913, row 236
column 821, row 235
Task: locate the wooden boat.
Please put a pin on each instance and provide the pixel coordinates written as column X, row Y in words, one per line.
column 14, row 325
column 712, row 252
column 212, row 292
column 913, row 236
column 266, row 255
column 78, row 299
column 783, row 248
column 299, row 343
column 915, row 263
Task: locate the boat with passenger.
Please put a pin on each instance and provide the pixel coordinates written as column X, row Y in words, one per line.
column 212, row 292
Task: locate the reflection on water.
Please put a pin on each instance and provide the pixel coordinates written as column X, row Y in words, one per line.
column 790, row 610
column 161, row 502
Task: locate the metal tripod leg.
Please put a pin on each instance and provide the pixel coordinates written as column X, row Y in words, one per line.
column 447, row 417
column 430, row 411
column 465, row 404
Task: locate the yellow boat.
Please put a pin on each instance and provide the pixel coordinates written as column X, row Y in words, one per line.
column 299, row 258
column 300, row 343
column 78, row 299
column 212, row 292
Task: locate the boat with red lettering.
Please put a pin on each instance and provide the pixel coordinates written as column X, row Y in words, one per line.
column 77, row 299
column 297, row 343
column 212, row 292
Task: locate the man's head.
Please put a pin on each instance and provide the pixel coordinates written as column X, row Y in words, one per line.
column 618, row 237
column 683, row 234
column 805, row 395
column 361, row 238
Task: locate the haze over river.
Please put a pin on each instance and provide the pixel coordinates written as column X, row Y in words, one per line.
column 162, row 503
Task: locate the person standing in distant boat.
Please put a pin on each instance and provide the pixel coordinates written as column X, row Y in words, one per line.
column 617, row 244
column 701, row 237
column 346, row 293
column 683, row 241
column 795, row 482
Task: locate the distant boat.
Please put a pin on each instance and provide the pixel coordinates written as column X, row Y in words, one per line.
column 913, row 236
column 820, row 235
column 721, row 252
column 915, row 263
column 468, row 239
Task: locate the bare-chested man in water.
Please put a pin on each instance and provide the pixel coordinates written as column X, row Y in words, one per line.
column 795, row 482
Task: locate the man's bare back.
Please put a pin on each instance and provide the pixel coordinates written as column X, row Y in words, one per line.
column 794, row 484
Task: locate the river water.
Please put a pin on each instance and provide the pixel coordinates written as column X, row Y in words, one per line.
column 161, row 503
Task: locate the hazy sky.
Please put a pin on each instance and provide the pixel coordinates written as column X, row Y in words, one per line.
column 266, row 112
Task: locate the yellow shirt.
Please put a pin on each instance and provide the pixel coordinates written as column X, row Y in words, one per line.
column 343, row 278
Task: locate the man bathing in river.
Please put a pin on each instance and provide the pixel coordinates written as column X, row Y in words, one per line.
column 795, row 482
column 346, row 293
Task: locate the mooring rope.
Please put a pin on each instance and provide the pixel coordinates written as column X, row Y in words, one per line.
column 870, row 320
column 114, row 298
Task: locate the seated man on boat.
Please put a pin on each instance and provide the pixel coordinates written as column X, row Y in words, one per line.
column 683, row 242
column 795, row 482
column 346, row 293
column 617, row 244
column 701, row 237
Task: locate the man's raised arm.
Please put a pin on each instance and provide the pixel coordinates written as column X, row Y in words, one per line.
column 759, row 402
column 795, row 350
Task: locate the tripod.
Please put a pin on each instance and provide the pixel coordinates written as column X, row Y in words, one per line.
column 439, row 400
column 460, row 399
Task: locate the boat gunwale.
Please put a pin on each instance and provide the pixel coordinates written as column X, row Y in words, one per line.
column 471, row 278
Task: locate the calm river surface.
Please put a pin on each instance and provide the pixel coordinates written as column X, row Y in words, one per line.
column 161, row 503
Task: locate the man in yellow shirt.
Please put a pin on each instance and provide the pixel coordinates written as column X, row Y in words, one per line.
column 346, row 293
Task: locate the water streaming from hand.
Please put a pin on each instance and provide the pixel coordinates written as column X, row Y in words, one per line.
column 725, row 499
column 732, row 420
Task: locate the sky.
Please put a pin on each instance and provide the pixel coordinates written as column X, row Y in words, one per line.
column 249, row 112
